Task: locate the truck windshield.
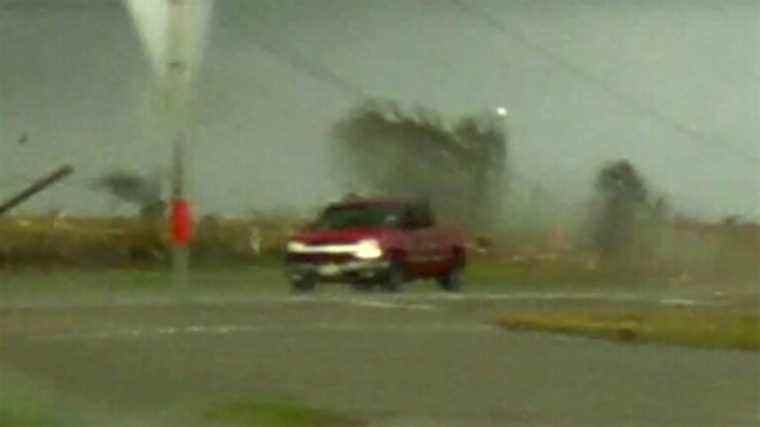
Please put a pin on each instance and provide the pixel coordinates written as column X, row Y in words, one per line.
column 342, row 217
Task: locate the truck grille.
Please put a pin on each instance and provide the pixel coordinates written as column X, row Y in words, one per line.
column 319, row 258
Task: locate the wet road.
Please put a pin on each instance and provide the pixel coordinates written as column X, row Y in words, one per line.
column 418, row 359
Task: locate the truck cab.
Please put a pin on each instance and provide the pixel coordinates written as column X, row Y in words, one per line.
column 375, row 242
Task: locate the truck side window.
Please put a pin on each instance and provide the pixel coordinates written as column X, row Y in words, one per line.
column 426, row 216
column 409, row 220
column 421, row 216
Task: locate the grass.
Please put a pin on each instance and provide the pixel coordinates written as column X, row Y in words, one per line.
column 549, row 273
column 262, row 274
column 111, row 286
column 126, row 244
column 104, row 256
column 706, row 328
column 277, row 414
column 53, row 244
column 260, row 270
column 266, row 272
column 28, row 403
column 20, row 415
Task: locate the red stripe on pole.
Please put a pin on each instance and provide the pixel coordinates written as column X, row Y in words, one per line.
column 181, row 222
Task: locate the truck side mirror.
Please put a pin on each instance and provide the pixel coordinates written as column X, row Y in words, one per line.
column 407, row 221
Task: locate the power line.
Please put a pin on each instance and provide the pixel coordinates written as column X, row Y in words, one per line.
column 296, row 59
column 311, row 67
column 694, row 136
column 321, row 72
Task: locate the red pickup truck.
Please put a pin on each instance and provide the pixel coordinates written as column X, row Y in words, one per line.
column 375, row 242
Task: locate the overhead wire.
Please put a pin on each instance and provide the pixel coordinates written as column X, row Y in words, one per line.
column 311, row 68
column 693, row 135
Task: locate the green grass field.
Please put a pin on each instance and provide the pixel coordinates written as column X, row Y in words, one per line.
column 277, row 414
column 703, row 252
column 706, row 328
column 26, row 402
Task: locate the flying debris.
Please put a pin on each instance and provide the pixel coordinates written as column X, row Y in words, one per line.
column 135, row 189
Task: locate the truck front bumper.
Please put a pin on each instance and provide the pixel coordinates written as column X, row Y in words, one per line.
column 339, row 272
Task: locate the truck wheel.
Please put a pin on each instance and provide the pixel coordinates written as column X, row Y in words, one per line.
column 363, row 286
column 303, row 285
column 394, row 278
column 453, row 280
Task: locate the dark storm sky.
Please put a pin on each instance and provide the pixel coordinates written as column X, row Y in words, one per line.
column 74, row 78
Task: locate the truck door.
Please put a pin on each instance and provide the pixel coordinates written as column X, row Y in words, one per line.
column 423, row 249
column 435, row 246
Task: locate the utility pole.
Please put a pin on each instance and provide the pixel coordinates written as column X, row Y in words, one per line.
column 173, row 33
column 181, row 219
column 177, row 88
column 36, row 187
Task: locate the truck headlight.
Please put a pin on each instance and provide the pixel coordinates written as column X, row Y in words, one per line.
column 294, row 246
column 368, row 249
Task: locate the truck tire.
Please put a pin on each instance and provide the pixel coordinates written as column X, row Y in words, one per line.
column 394, row 278
column 303, row 285
column 363, row 286
column 453, row 280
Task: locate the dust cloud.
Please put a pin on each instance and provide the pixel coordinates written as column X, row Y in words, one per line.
column 461, row 168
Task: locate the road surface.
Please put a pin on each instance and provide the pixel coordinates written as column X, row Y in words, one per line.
column 418, row 359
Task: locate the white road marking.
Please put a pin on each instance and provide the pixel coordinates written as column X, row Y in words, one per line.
column 386, row 303
column 417, row 301
column 678, row 301
column 382, row 304
column 158, row 332
column 405, row 301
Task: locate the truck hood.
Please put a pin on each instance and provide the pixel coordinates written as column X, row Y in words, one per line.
column 345, row 236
